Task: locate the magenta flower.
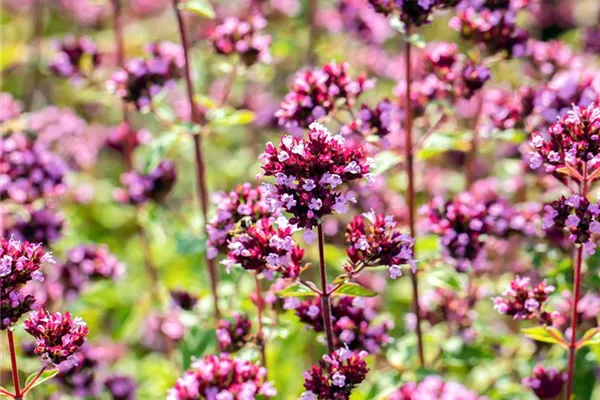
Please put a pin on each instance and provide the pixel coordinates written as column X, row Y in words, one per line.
column 140, row 188
column 222, row 377
column 318, row 93
column 378, row 242
column 121, row 387
column 19, row 263
column 57, row 337
column 161, row 332
column 524, row 301
column 546, row 383
column 548, row 58
column 120, row 138
column 572, row 146
column 336, row 375
column 233, row 334
column 9, row 107
column 445, row 306
column 307, row 173
column 43, row 225
column 434, row 387
column 28, row 171
column 264, row 248
column 245, row 206
column 243, row 37
column 183, row 299
column 380, row 121
column 76, row 57
column 352, row 320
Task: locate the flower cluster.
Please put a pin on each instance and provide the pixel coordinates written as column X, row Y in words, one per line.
column 591, row 40
column 352, row 320
column 573, row 142
column 546, row 383
column 411, row 11
column 80, row 377
column 493, row 27
column 579, row 216
column 442, row 305
column 265, row 248
column 235, row 36
column 548, row 58
column 86, row 263
column 434, row 387
column 317, row 93
column 380, row 121
column 307, row 173
column 121, row 387
column 142, row 79
column 356, row 17
column 462, row 221
column 140, row 188
column 28, row 171
column 124, row 137
column 336, row 375
column 222, row 377
column 236, row 211
column 42, row 225
column 162, row 331
column 76, row 57
column 233, row 334
column 522, row 300
column 9, row 107
column 57, row 337
column 588, row 309
column 378, row 242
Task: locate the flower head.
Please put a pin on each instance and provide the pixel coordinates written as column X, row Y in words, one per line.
column 522, row 300
column 546, row 383
column 121, row 387
column 308, row 172
column 233, row 334
column 57, row 337
column 336, row 375
column 434, row 387
column 222, row 377
column 140, row 188
column 76, row 57
column 242, row 37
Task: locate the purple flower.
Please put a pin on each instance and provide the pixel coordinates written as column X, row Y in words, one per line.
column 546, row 383
column 140, row 188
column 76, row 57
column 242, row 37
column 121, row 387
column 233, row 334
column 524, row 301
column 434, row 387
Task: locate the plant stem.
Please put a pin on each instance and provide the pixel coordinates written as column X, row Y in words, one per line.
column 313, row 32
column 260, row 338
column 471, row 156
column 324, row 293
column 40, row 372
column 35, row 42
column 13, row 363
column 202, row 191
column 576, row 295
column 411, row 191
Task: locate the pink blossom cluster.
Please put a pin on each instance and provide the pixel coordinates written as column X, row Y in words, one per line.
column 57, row 337
column 546, row 383
column 40, row 225
column 140, row 188
column 308, row 173
column 357, row 18
column 234, row 333
column 142, row 79
column 162, row 332
column 244, row 38
column 9, row 107
column 222, row 376
column 336, row 375
column 442, row 305
column 434, row 387
column 318, row 93
column 266, row 247
column 381, row 120
column 76, row 57
column 572, row 143
column 123, row 138
column 579, row 216
column 522, row 300
column 352, row 320
column 28, row 170
column 375, row 239
column 244, row 204
column 549, row 58
column 80, row 378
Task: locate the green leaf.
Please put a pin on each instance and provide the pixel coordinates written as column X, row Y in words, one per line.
column 46, row 375
column 591, row 337
column 230, row 117
column 189, row 244
column 2, row 390
column 296, row 290
column 441, row 142
column 427, row 246
column 201, row 7
column 545, row 334
column 353, row 290
column 385, row 160
column 195, row 344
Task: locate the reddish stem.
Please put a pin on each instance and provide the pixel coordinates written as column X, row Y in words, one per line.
column 202, row 191
column 576, row 295
column 30, row 385
column 13, row 363
column 411, row 191
column 313, row 32
column 260, row 337
column 471, row 157
column 325, row 305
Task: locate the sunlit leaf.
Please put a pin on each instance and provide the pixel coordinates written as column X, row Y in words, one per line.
column 188, row 244
column 229, row 117
column 196, row 342
column 353, row 290
column 46, row 375
column 202, row 8
column 591, row 337
column 441, row 142
column 385, row 160
column 296, row 290
column 545, row 334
